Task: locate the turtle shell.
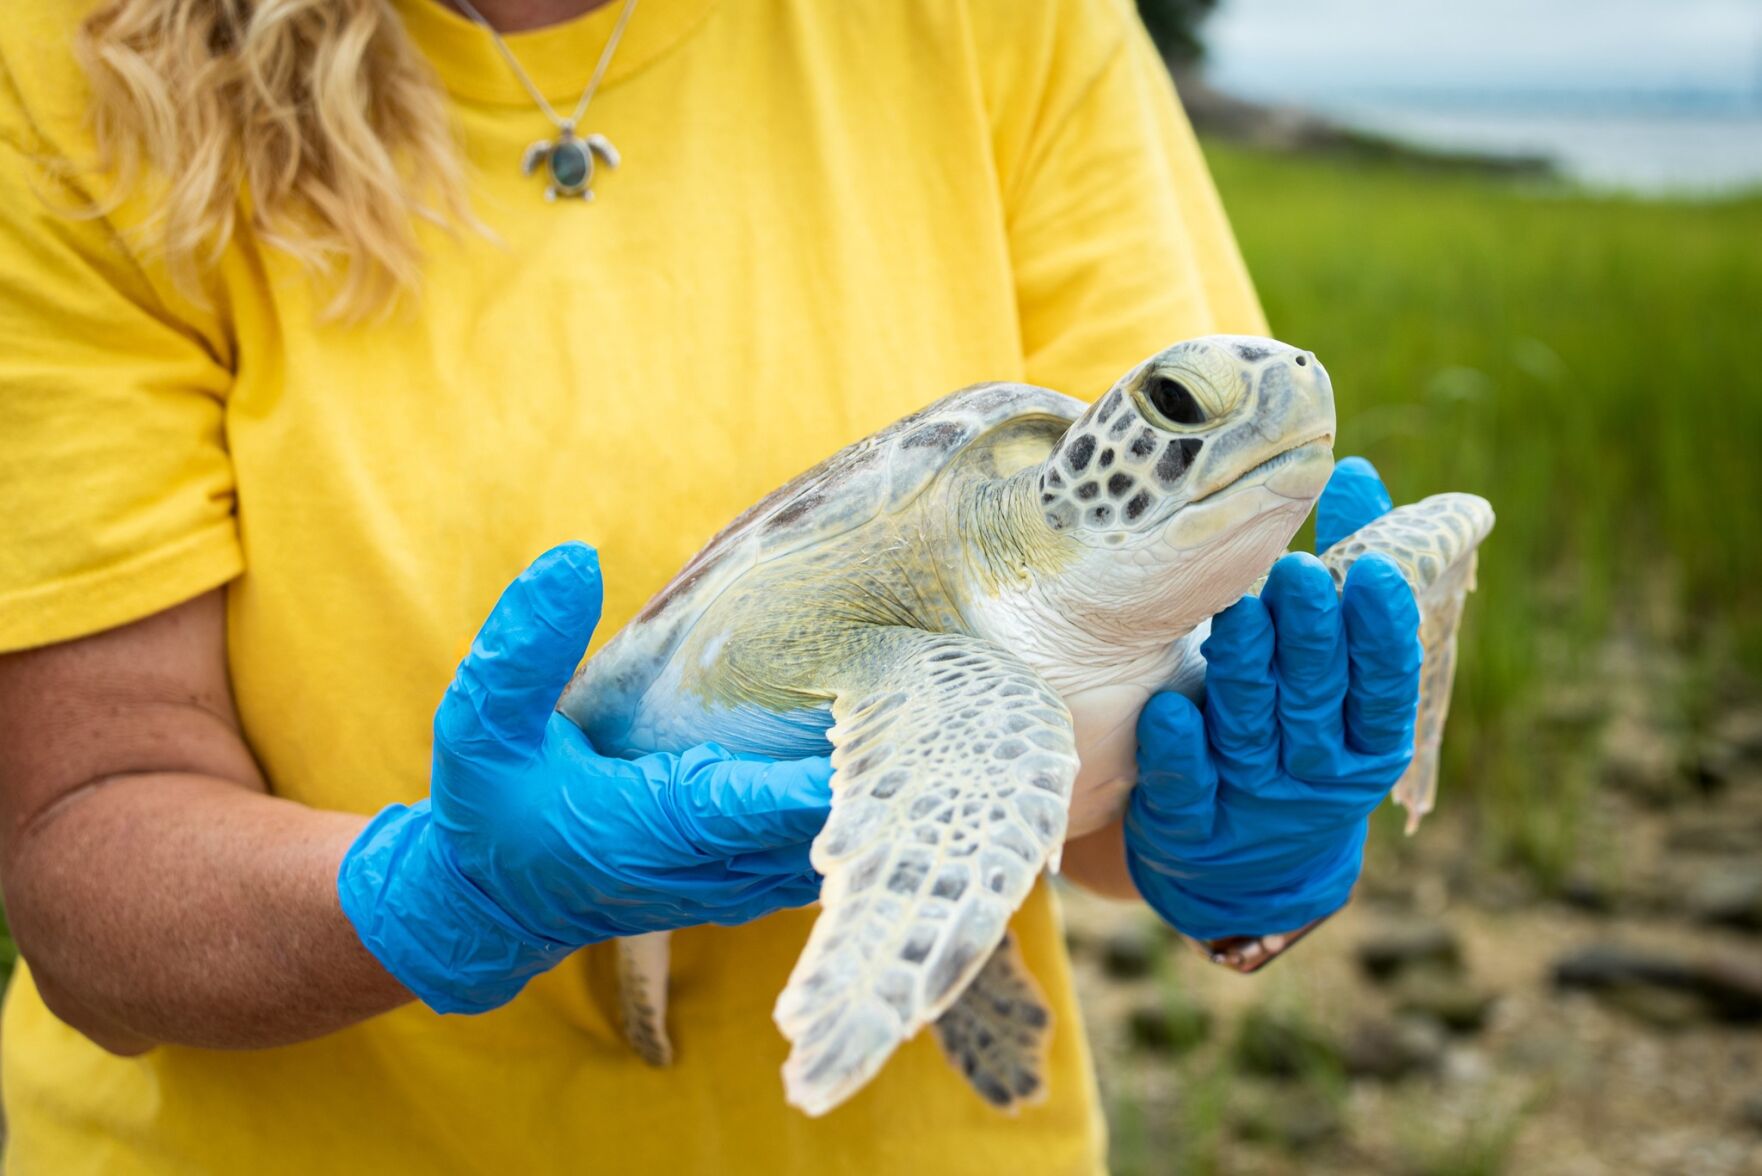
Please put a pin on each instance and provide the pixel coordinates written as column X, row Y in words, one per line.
column 879, row 474
column 884, row 472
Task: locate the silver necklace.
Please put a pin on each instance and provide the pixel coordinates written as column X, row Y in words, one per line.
column 568, row 159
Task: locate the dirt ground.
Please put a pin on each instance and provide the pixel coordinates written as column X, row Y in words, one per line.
column 1468, row 1054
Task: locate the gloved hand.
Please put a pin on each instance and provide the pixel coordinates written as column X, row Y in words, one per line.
column 1354, row 496
column 1250, row 819
column 531, row 844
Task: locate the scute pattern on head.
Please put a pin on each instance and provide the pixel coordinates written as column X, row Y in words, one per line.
column 1112, row 465
column 1132, row 452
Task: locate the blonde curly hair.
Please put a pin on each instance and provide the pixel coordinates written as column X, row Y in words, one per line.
column 317, row 119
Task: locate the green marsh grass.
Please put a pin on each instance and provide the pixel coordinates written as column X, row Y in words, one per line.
column 1591, row 365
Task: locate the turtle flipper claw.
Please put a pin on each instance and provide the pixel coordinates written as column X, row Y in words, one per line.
column 642, row 996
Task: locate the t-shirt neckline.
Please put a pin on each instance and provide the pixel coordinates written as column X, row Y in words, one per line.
column 559, row 58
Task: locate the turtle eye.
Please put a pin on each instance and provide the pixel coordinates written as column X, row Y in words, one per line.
column 1174, row 400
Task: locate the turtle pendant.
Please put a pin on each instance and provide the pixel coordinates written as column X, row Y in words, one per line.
column 568, row 161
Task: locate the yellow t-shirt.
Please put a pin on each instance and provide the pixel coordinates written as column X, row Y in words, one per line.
column 827, row 215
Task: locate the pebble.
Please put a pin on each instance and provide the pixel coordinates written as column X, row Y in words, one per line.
column 1130, row 953
column 1662, row 1008
column 1727, row 895
column 1751, row 1111
column 1392, row 1048
column 1167, row 1026
column 1453, row 1001
column 1729, row 989
column 1721, row 833
column 1398, row 947
column 1589, row 893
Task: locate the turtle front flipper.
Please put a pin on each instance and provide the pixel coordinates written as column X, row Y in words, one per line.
column 953, row 769
column 999, row 1032
column 1434, row 542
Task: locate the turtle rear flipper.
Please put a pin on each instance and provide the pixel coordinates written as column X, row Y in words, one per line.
column 642, row 996
column 953, row 770
column 1433, row 541
column 998, row 1034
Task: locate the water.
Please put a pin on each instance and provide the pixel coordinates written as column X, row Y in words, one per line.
column 1668, row 152
column 1653, row 96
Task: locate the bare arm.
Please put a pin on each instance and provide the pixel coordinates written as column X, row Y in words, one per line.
column 1097, row 862
column 157, row 891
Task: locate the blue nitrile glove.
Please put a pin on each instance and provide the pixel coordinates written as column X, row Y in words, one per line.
column 1354, row 496
column 1250, row 819
column 531, row 844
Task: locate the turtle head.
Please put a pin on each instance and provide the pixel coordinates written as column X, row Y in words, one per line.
column 1213, row 449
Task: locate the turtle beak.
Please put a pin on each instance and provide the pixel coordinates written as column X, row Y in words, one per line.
column 1285, row 441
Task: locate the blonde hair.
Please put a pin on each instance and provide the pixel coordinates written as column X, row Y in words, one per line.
column 321, row 113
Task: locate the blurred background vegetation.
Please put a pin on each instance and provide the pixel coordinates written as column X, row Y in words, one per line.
column 1533, row 266
column 1591, row 365
column 1175, row 26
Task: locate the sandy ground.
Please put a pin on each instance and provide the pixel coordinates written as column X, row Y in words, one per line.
column 1553, row 1082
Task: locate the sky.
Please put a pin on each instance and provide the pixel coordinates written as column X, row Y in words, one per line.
column 1305, row 48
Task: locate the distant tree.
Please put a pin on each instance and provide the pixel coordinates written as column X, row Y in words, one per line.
column 1174, row 26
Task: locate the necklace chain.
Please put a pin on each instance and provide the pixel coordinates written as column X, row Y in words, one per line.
column 599, row 71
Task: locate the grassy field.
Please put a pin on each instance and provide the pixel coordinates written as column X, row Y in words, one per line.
column 1593, row 366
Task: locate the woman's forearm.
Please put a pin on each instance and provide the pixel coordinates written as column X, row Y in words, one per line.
column 156, row 889
column 181, row 909
column 1097, row 862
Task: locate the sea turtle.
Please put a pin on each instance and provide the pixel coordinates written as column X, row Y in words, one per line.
column 972, row 606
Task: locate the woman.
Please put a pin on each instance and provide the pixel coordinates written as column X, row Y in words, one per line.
column 299, row 367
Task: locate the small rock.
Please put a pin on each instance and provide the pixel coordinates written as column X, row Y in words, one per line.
column 1130, row 953
column 1715, row 764
column 1168, row 1026
column 1723, row 833
column 1751, row 1111
column 1393, row 1048
column 1278, row 1046
column 1467, row 1066
column 1451, row 1000
column 1398, row 947
column 1587, row 893
column 1662, row 1008
column 1730, row 745
column 1295, row 1118
column 1727, row 895
column 1641, row 760
column 1608, row 965
column 1730, row 988
column 1734, row 986
column 1741, row 731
